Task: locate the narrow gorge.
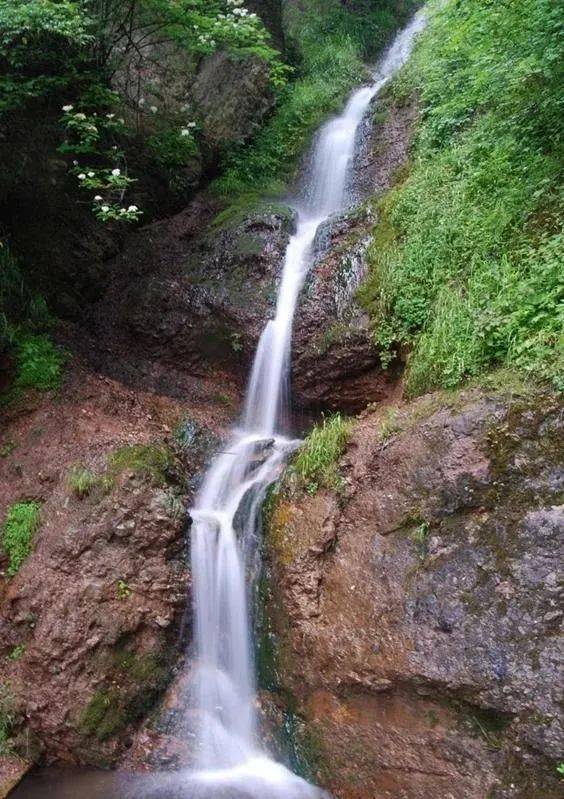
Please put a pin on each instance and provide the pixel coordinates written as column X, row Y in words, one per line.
column 281, row 365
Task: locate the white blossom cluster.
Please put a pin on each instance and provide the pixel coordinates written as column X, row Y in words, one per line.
column 237, row 21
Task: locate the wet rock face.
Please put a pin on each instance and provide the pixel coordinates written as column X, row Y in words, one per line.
column 232, row 95
column 423, row 646
column 195, row 299
column 334, row 361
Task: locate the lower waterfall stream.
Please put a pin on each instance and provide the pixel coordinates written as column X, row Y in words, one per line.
column 229, row 761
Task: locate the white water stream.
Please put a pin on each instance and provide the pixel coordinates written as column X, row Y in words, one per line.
column 230, row 761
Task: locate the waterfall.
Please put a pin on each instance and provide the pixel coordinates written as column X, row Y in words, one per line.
column 229, row 759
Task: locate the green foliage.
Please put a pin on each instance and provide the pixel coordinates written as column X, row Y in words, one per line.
column 18, row 304
column 330, row 43
column 560, row 770
column 17, row 652
column 41, row 45
column 39, row 363
column 388, row 424
column 8, row 718
column 316, row 463
column 18, row 531
column 149, row 460
column 466, row 265
column 123, row 591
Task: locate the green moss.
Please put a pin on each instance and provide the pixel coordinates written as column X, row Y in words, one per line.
column 18, row 531
column 138, row 680
column 152, row 461
column 105, row 715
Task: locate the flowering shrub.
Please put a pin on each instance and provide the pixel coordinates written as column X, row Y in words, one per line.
column 91, row 134
column 59, row 49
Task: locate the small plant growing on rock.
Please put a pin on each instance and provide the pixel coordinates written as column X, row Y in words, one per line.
column 560, row 771
column 18, row 531
column 420, row 537
column 388, row 424
column 17, row 652
column 123, row 591
column 81, row 481
column 8, row 718
column 315, row 465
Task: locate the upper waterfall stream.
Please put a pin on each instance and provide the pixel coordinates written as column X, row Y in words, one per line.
column 224, row 532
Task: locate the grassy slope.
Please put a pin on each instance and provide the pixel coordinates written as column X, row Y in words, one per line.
column 466, row 265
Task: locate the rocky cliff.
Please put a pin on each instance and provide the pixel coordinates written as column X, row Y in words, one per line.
column 418, row 603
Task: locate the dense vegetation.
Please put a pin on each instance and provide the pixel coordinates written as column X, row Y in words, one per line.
column 329, row 45
column 467, row 257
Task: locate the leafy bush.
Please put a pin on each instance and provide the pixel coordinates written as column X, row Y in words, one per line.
column 18, row 531
column 466, row 265
column 315, row 465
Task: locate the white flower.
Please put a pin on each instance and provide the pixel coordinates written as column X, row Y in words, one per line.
column 82, row 176
column 154, row 109
column 91, row 174
column 97, row 199
column 191, row 124
column 141, row 101
column 110, row 116
column 75, row 162
column 67, row 108
column 122, row 211
column 184, row 132
column 80, row 116
column 105, row 208
column 132, row 209
column 116, row 173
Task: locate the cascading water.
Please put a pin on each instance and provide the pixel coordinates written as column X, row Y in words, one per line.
column 230, row 762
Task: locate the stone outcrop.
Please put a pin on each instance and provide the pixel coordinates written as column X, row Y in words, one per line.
column 190, row 296
column 335, row 364
column 92, row 625
column 420, row 631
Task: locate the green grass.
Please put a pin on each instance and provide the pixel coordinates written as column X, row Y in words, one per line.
column 82, row 481
column 466, row 263
column 329, row 45
column 316, row 464
column 18, row 531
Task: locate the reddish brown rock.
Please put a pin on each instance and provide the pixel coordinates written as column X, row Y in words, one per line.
column 422, row 647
